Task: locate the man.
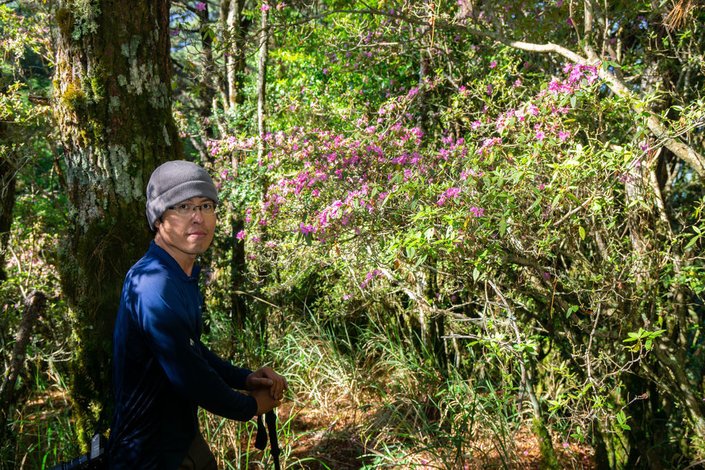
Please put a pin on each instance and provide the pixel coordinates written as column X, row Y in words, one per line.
column 162, row 372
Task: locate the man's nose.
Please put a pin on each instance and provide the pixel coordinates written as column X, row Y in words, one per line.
column 197, row 215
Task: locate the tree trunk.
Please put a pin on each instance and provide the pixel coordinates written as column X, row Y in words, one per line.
column 8, row 183
column 262, row 79
column 236, row 26
column 112, row 102
column 210, row 81
column 262, row 129
column 240, row 311
column 35, row 304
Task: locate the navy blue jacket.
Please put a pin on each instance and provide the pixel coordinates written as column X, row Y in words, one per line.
column 161, row 370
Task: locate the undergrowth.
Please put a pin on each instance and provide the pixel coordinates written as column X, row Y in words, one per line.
column 377, row 404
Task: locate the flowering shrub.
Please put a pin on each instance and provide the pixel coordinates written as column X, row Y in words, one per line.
column 332, row 187
column 526, row 200
column 494, row 214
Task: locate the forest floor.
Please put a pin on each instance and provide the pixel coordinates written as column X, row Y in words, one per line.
column 316, row 439
column 332, row 440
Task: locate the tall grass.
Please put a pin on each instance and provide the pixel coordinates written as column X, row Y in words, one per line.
column 41, row 431
column 369, row 397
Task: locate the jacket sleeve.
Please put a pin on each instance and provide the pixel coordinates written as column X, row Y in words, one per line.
column 176, row 346
column 234, row 376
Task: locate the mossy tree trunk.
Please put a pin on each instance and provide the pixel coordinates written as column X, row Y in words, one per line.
column 112, row 101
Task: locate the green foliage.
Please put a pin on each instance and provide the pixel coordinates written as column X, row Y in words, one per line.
column 440, row 225
column 518, row 185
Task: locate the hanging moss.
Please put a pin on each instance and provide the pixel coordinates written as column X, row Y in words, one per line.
column 98, row 130
column 97, row 88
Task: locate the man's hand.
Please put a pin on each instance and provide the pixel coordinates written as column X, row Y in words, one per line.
column 265, row 402
column 266, row 378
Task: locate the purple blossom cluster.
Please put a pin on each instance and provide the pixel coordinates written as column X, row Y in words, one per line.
column 358, row 176
column 578, row 76
column 448, row 194
column 331, row 183
column 369, row 277
column 541, row 114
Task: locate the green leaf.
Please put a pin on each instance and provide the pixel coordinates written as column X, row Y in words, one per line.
column 475, row 274
column 410, row 251
column 581, row 232
column 571, row 310
column 502, row 226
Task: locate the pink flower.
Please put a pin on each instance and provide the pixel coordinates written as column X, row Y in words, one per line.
column 265, row 7
column 450, row 193
column 200, row 6
column 241, row 235
column 306, row 229
column 493, row 64
column 477, row 211
column 563, row 135
column 540, row 135
column 489, row 89
column 369, row 276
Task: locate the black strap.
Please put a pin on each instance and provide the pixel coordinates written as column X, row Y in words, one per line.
column 261, row 439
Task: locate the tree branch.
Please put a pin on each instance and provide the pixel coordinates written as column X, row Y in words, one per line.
column 35, row 304
column 655, row 125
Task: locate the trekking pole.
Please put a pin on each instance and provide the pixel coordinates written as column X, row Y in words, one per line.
column 261, row 439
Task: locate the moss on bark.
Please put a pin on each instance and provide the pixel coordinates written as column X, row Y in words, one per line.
column 113, row 133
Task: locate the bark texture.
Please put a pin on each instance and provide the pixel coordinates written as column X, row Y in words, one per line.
column 236, row 27
column 112, row 99
column 8, row 183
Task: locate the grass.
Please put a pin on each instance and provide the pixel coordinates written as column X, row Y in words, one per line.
column 42, row 434
column 380, row 404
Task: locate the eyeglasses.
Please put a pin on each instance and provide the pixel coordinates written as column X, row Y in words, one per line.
column 186, row 208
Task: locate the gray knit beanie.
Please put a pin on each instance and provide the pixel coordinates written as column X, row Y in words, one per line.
column 176, row 181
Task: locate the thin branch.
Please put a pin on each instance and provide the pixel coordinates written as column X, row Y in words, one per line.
column 683, row 151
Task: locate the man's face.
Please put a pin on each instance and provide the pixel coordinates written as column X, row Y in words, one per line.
column 184, row 236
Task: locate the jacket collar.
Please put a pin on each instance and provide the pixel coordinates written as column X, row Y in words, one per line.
column 162, row 255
